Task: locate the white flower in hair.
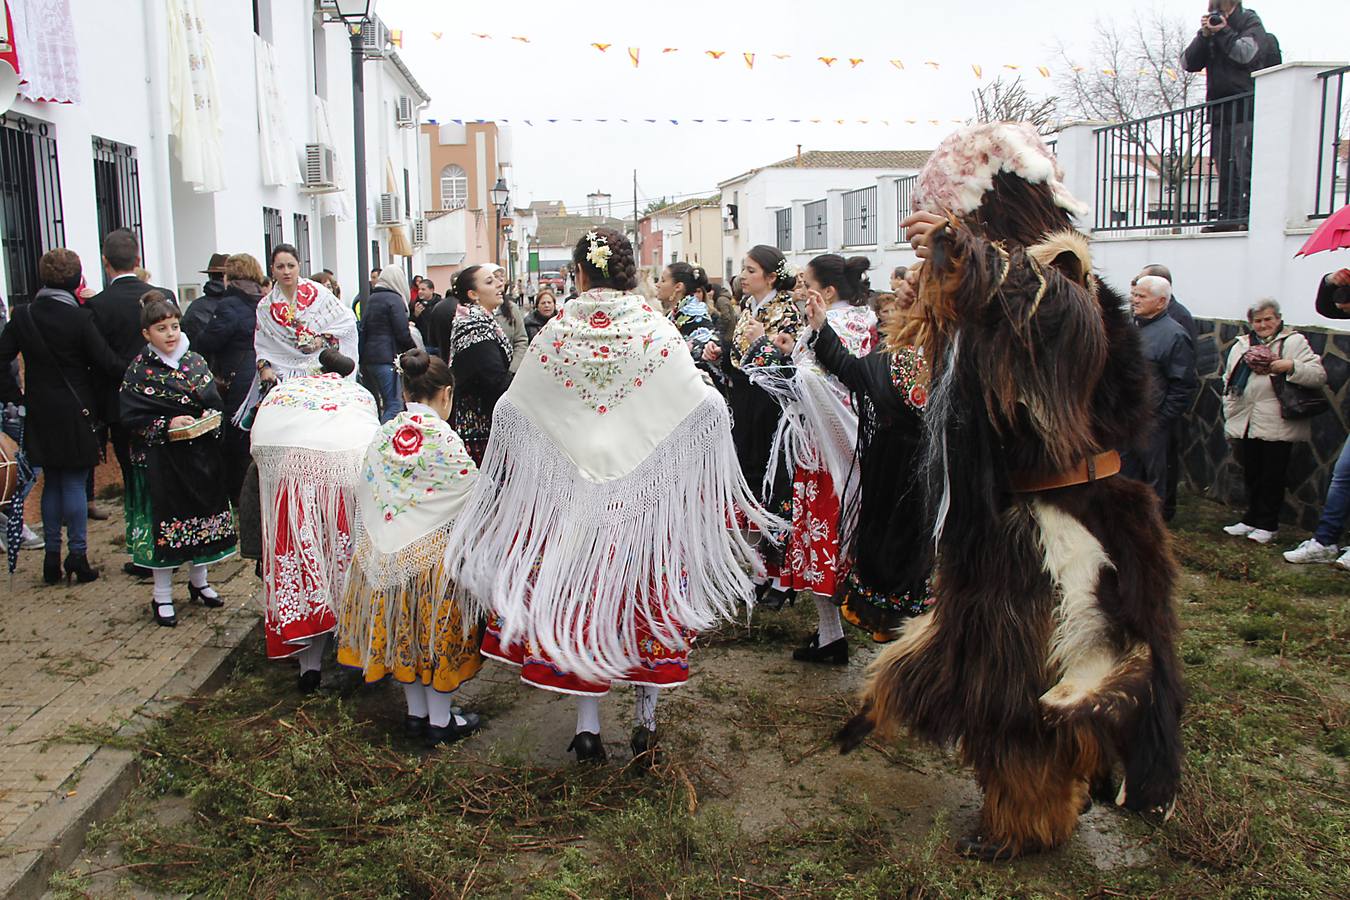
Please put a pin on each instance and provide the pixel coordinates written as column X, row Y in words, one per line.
column 599, row 252
column 785, row 269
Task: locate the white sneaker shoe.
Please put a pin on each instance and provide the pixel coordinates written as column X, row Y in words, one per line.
column 1261, row 536
column 1310, row 551
column 1241, row 529
column 1344, row 561
column 31, row 540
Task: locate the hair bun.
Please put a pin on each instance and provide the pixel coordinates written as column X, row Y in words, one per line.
column 414, row 363
column 857, row 265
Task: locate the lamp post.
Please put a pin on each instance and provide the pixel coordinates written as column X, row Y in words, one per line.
column 507, row 233
column 356, row 14
column 500, row 196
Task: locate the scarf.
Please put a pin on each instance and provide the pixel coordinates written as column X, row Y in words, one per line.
column 57, row 294
column 474, row 325
column 609, row 489
column 158, row 385
column 1242, row 373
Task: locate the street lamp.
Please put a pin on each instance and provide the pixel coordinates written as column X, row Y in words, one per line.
column 500, row 196
column 356, row 14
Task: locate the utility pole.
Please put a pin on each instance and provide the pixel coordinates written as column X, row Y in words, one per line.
column 637, row 234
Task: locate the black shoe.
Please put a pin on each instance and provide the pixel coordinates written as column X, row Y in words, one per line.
column 835, row 653
column 976, row 846
column 588, row 746
column 77, row 567
column 309, row 681
column 770, row 597
column 436, row 735
column 136, row 571
column 643, row 743
column 169, row 621
column 197, row 596
column 51, row 567
column 415, row 726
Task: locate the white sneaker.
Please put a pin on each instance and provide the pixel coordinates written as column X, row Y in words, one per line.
column 1241, row 529
column 1261, row 536
column 1310, row 551
column 1344, row 561
column 31, row 540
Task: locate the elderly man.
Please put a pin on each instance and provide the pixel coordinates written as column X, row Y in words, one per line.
column 1171, row 356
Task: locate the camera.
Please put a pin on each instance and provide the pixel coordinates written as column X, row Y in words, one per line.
column 1215, row 20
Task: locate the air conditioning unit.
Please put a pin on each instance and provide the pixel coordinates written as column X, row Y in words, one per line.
column 390, row 210
column 419, row 229
column 320, row 169
column 374, row 39
column 406, row 116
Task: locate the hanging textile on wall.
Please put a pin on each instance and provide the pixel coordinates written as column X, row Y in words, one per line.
column 194, row 98
column 44, row 36
column 280, row 163
column 335, row 203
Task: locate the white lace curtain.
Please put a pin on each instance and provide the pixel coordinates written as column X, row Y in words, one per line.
column 280, row 162
column 44, row 37
column 194, row 98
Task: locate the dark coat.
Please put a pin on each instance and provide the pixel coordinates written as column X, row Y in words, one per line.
column 1229, row 58
column 384, row 328
column 200, row 311
column 228, row 340
column 534, row 323
column 1170, row 354
column 117, row 315
column 58, row 434
column 440, row 319
column 1328, row 295
column 1206, row 351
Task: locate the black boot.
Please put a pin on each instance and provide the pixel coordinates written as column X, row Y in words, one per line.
column 309, row 681
column 588, row 746
column 643, row 743
column 835, row 653
column 77, row 567
column 51, row 567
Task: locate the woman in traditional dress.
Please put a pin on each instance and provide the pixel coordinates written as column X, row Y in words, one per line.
column 309, row 441
column 171, row 408
column 817, row 440
column 480, row 357
column 598, row 535
column 393, row 619
column 679, row 292
column 297, row 320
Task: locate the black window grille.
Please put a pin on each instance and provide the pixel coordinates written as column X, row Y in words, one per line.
column 904, row 202
column 1333, row 144
column 117, row 189
column 815, row 214
column 271, row 232
column 860, row 217
column 31, row 218
column 783, row 229
column 302, row 244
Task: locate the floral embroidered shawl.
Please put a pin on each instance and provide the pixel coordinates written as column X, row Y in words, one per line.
column 472, row 325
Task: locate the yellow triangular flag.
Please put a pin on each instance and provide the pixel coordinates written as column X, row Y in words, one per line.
column 633, row 55
column 827, row 60
column 749, row 60
column 602, row 47
column 899, row 64
column 979, row 72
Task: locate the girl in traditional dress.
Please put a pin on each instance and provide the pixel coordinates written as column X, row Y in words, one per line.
column 393, row 619
column 170, row 405
column 598, row 536
column 679, row 292
column 309, row 441
column 817, row 439
column 480, row 357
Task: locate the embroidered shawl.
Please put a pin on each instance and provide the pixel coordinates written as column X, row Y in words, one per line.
column 472, row 325
column 609, row 489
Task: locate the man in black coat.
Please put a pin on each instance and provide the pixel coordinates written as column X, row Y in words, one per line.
column 199, row 311
column 1171, row 357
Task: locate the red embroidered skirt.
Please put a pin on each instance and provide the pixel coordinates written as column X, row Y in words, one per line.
column 812, row 559
column 296, row 588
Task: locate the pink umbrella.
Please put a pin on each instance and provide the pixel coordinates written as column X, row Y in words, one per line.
column 1334, row 234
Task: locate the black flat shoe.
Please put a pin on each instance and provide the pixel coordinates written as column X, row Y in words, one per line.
column 643, row 743
column 436, row 735
column 834, row 653
column 78, row 568
column 770, row 597
column 169, row 621
column 309, row 681
column 588, row 746
column 415, row 726
column 198, row 595
column 977, row 847
column 51, row 568
column 136, row 571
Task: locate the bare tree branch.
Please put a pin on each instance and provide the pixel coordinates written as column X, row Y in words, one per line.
column 1001, row 101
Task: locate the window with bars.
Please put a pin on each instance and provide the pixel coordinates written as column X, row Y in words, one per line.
column 860, row 217
column 815, row 214
column 904, row 202
column 117, row 189
column 302, row 244
column 783, row 229
column 271, row 232
column 454, row 188
column 31, row 218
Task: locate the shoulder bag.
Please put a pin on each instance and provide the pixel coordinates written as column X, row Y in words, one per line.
column 1296, row 401
column 23, row 317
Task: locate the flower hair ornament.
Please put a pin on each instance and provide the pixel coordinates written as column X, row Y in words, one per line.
column 784, row 269
column 598, row 253
column 398, row 364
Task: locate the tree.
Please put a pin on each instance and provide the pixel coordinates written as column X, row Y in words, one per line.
column 655, row 206
column 1001, row 101
column 1130, row 70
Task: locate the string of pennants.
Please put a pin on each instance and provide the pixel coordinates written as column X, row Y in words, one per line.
column 751, row 59
column 533, row 122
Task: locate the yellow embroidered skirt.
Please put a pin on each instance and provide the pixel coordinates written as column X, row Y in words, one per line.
column 406, row 631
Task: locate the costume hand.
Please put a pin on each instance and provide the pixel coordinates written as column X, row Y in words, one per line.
column 754, row 331
column 919, row 228
column 181, row 421
column 712, row 351
column 1281, row 366
column 815, row 310
column 785, row 343
column 1340, row 278
column 267, row 376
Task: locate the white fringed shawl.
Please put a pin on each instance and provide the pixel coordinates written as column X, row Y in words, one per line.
column 608, row 495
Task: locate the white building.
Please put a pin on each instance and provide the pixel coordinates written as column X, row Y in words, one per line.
column 280, row 79
column 822, row 201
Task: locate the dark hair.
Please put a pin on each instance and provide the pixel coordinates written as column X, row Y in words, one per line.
column 692, row 277
column 156, row 307
column 424, row 375
column 549, row 292
column 332, row 360
column 121, row 249
column 621, row 272
column 60, row 268
column 900, row 272
column 771, row 260
column 427, row 281
column 1017, row 211
column 847, row 276
column 464, row 282
column 279, row 249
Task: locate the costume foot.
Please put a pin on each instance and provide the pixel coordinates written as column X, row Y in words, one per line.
column 978, row 847
column 588, row 747
column 835, row 653
column 309, row 681
column 415, row 726
column 164, row 614
column 206, row 596
column 437, row 736
column 136, row 571
column 770, row 597
column 644, row 745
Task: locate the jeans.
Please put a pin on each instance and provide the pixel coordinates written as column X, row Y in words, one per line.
column 1332, row 523
column 1265, row 466
column 64, row 503
column 383, row 382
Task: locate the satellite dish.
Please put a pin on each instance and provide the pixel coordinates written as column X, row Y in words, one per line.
column 9, row 86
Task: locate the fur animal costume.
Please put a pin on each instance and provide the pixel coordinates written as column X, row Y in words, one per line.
column 1048, row 655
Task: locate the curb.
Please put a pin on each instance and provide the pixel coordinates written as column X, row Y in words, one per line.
column 54, row 835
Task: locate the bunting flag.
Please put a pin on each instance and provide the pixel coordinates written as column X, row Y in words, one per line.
column 1045, row 73
column 633, row 53
column 933, row 65
column 670, row 49
column 716, row 54
column 782, row 56
column 654, row 121
column 749, row 60
column 1109, row 72
column 396, row 37
column 438, row 34
column 899, row 64
column 1171, row 73
column 854, row 63
column 1010, row 67
column 522, row 39
column 979, row 72
column 827, row 60
column 602, row 47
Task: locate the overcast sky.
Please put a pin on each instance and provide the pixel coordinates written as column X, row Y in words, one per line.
column 559, row 75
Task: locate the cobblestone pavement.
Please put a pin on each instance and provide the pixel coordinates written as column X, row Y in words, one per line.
column 91, row 656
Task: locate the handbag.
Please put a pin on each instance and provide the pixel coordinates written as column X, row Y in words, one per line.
column 1296, row 401
column 23, row 316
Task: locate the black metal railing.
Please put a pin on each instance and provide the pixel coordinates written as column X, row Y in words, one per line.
column 904, row 202
column 302, row 244
column 1189, row 168
column 117, row 189
column 860, row 217
column 271, row 233
column 31, row 217
column 1333, row 145
column 815, row 215
column 782, row 229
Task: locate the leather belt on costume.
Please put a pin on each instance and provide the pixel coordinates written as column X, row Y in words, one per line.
column 1094, row 468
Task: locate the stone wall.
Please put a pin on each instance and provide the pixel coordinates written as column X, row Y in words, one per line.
column 1207, row 463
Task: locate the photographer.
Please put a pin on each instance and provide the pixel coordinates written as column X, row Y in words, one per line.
column 1231, row 45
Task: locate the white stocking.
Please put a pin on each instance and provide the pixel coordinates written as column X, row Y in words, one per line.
column 311, row 658
column 588, row 715
column 644, row 710
column 416, row 699
column 439, row 707
column 831, row 628
column 164, row 591
column 197, row 578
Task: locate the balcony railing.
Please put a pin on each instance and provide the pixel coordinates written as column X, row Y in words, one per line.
column 860, row 217
column 1333, row 145
column 815, row 226
column 783, row 229
column 904, row 202
column 1188, row 168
